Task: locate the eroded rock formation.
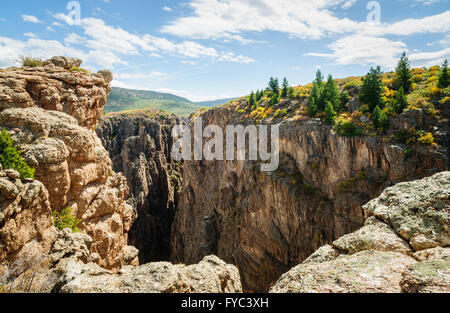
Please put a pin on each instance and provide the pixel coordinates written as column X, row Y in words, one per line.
column 139, row 144
column 53, row 87
column 403, row 247
column 50, row 112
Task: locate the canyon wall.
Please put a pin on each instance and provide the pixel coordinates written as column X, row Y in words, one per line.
column 266, row 223
column 139, row 144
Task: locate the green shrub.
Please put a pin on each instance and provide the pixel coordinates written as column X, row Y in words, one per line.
column 31, row 62
column 345, row 127
column 77, row 69
column 65, row 219
column 280, row 113
column 10, row 157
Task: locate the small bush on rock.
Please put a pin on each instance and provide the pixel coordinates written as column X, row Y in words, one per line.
column 10, row 157
column 65, row 219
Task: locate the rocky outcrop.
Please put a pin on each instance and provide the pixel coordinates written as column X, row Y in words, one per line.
column 49, row 112
column 139, row 145
column 76, row 170
column 265, row 223
column 403, row 247
column 26, row 226
column 211, row 275
column 54, row 86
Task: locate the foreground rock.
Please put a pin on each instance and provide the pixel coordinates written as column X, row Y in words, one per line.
column 211, row 275
column 404, row 246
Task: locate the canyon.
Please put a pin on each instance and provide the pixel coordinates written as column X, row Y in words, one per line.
column 236, row 228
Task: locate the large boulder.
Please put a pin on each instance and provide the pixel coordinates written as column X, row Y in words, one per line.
column 403, row 247
column 211, row 275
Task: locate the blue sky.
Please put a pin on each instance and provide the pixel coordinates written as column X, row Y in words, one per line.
column 208, row 49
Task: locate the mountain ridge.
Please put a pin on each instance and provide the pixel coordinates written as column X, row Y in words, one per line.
column 122, row 99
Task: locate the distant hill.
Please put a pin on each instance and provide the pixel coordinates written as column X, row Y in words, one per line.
column 215, row 102
column 121, row 99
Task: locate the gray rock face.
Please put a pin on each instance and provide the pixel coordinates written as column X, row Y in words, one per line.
column 385, row 255
column 139, row 145
column 266, row 223
column 211, row 275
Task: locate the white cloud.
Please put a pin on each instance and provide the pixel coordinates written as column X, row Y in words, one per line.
column 30, row 19
column 228, row 20
column 103, row 37
column 11, row 49
column 231, row 57
column 31, row 35
column 429, row 58
column 428, row 2
column 167, row 9
column 366, row 50
column 50, row 29
column 74, row 38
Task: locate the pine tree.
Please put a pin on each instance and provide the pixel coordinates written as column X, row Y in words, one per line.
column 331, row 94
column 444, row 80
column 312, row 107
column 345, row 98
column 376, row 116
column 372, row 89
column 252, row 100
column 285, row 88
column 275, row 99
column 383, row 120
column 380, row 119
column 403, row 74
column 274, row 85
column 316, row 91
column 400, row 101
column 330, row 114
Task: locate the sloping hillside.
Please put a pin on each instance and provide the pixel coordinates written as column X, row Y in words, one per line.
column 121, row 99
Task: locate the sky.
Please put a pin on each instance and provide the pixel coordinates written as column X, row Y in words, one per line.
column 212, row 49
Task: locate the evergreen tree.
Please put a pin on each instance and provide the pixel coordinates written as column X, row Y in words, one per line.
column 376, row 116
column 291, row 93
column 275, row 98
column 252, row 100
column 331, row 94
column 330, row 114
column 316, row 91
column 285, row 88
column 400, row 101
column 372, row 89
column 444, row 80
column 383, row 120
column 403, row 74
column 274, row 85
column 380, row 119
column 345, row 98
column 312, row 107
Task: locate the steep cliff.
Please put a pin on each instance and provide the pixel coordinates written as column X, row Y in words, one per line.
column 265, row 223
column 49, row 112
column 139, row 144
column 403, row 247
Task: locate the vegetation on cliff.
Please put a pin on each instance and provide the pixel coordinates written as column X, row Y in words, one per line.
column 10, row 157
